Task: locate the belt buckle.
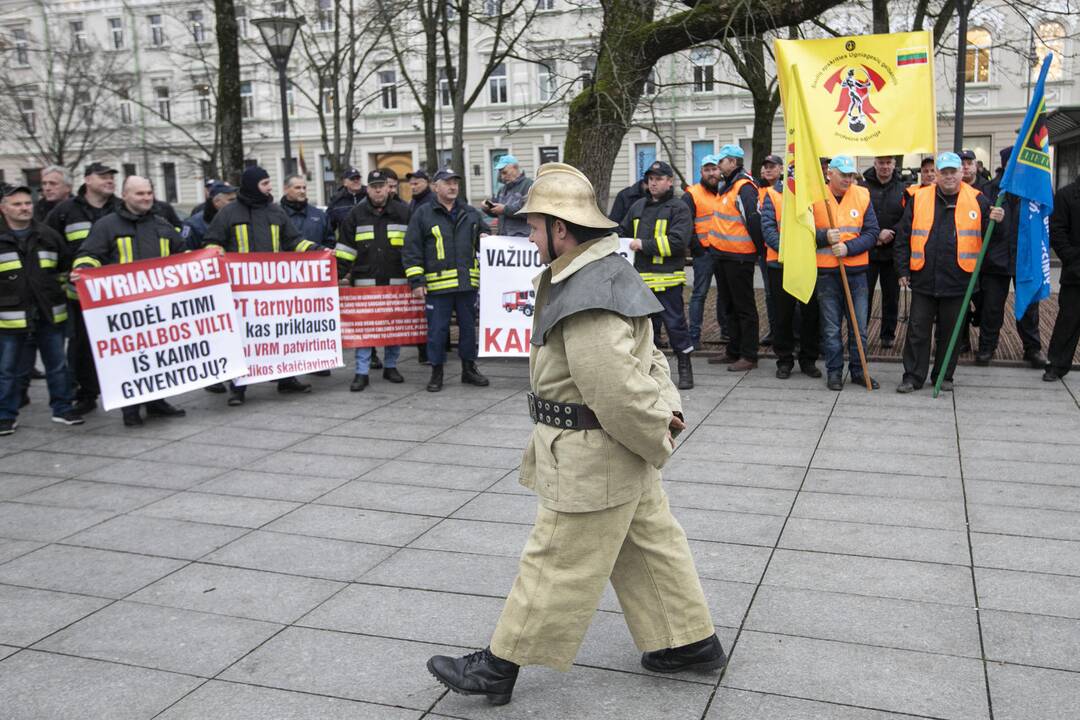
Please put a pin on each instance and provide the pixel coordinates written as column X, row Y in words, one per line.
column 532, row 406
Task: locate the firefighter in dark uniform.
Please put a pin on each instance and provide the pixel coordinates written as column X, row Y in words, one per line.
column 661, row 226
column 368, row 249
column 133, row 232
column 440, row 257
column 605, row 411
column 255, row 223
column 72, row 219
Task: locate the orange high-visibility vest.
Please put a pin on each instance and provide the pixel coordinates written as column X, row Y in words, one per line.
column 706, row 207
column 849, row 216
column 777, row 199
column 968, row 219
column 732, row 236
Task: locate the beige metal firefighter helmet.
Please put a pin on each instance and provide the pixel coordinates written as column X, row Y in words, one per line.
column 563, row 191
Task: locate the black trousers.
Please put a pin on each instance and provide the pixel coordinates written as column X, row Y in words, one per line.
column 784, row 313
column 930, row 313
column 1066, row 333
column 672, row 317
column 737, row 294
column 995, row 290
column 885, row 271
column 81, row 356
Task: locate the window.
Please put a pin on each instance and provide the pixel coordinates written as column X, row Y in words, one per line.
column 445, row 99
column 644, row 156
column 497, row 84
column 588, row 67
column 164, row 104
column 492, row 7
column 168, row 172
column 202, row 101
column 388, row 89
column 326, row 15
column 241, row 21
column 127, row 117
column 699, row 149
column 78, row 36
column 328, row 99
column 22, row 46
column 704, row 63
column 545, row 5
column 198, row 30
column 277, row 9
column 548, row 154
column 116, row 30
column 157, row 31
column 86, row 108
column 247, row 100
column 493, row 158
column 290, row 99
column 29, row 117
column 548, row 81
column 1050, row 39
column 977, row 57
column 650, row 83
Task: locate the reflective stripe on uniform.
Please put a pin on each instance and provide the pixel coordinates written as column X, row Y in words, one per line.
column 413, row 271
column 364, row 282
column 59, row 313
column 364, row 233
column 124, row 250
column 164, row 246
column 395, row 234
column 275, row 238
column 47, row 259
column 398, row 281
column 303, row 245
column 9, row 261
column 75, row 232
column 85, row 260
column 344, row 252
column 13, row 319
column 440, row 251
column 241, row 233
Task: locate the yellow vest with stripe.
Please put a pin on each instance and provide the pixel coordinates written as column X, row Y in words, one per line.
column 968, row 219
column 848, row 215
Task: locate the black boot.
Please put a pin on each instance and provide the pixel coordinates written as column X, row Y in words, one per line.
column 479, row 673
column 702, row 655
column 376, row 363
column 160, row 408
column 359, row 383
column 292, row 385
column 435, row 383
column 236, row 395
column 686, row 371
column 132, row 418
column 470, row 375
column 392, row 375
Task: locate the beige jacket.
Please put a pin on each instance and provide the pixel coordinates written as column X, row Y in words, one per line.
column 608, row 362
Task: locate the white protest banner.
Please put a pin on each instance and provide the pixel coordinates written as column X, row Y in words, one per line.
column 287, row 304
column 161, row 327
column 507, row 299
column 381, row 315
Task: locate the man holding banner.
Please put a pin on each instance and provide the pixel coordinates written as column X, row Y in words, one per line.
column 132, row 233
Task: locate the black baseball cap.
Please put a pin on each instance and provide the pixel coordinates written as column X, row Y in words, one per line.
column 660, row 168
column 352, row 173
column 219, row 188
column 420, row 174
column 7, row 190
column 772, row 159
column 210, row 182
column 96, row 168
column 447, row 173
column 967, row 154
column 376, row 177
column 390, row 173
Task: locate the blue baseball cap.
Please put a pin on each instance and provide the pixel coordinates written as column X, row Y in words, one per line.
column 709, row 160
column 948, row 160
column 219, row 187
column 733, row 151
column 844, row 164
column 504, row 161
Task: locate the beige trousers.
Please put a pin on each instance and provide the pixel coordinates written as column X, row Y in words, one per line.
column 566, row 564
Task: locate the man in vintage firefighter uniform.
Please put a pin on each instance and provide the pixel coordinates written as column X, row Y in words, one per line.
column 848, row 242
column 606, row 410
column 660, row 228
column 133, row 232
column 368, row 249
column 937, row 246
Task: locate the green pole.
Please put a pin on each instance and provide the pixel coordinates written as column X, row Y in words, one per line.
column 967, row 299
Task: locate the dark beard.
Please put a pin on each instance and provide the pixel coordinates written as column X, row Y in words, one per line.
column 710, row 185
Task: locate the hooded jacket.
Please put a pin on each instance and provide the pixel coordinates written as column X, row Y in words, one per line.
column 125, row 237
column 31, row 277
column 887, row 200
column 240, row 227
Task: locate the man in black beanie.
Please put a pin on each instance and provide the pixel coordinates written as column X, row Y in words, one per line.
column 255, row 223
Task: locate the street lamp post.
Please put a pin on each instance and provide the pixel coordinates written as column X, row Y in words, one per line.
column 279, row 34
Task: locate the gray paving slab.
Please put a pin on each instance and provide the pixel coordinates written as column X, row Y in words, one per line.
column 728, row 600
column 856, row 458
column 447, row 571
column 12, row 486
column 156, row 536
column 272, row 486
column 737, row 452
column 161, row 638
column 1025, row 495
column 730, row 704
column 891, row 426
column 28, row 615
column 218, row 509
column 264, row 439
column 886, row 679
column 475, row 536
column 1033, row 522
column 354, row 447
column 935, row 446
column 939, row 514
column 433, row 474
column 1038, row 640
column 1029, row 592
column 175, row 476
column 357, row 525
column 301, row 555
column 395, row 497
column 317, row 464
column 1009, row 552
column 384, row 430
column 733, row 527
column 500, row 508
column 747, row 474
column 886, row 541
column 87, row 571
column 82, row 494
column 467, row 455
column 238, row 592
column 731, row 498
column 11, row 549
column 976, row 468
column 1025, row 693
column 85, row 689
column 339, row 665
column 851, row 482
column 261, row 420
column 53, row 464
column 235, row 701
column 727, row 561
column 22, row 521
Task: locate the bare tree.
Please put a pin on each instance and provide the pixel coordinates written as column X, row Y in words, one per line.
column 228, row 112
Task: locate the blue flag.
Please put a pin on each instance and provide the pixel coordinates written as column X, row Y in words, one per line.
column 1027, row 176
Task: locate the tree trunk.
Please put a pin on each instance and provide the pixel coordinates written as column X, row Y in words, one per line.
column 430, row 22
column 461, row 81
column 764, row 116
column 880, row 10
column 228, row 96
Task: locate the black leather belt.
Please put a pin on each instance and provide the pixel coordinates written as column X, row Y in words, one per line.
column 568, row 416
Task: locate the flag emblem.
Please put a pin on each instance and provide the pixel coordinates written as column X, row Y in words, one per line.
column 854, row 104
column 912, row 56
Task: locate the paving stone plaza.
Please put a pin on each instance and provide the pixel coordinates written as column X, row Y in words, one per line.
column 866, row 556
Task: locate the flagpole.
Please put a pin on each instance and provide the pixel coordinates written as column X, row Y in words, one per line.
column 959, row 324
column 853, row 320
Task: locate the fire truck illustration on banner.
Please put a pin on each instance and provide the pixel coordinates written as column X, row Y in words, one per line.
column 523, row 300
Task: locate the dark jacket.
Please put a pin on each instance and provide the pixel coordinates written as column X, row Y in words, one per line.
column 627, row 197
column 340, row 204
column 664, row 228
column 195, row 227
column 73, row 218
column 1001, row 252
column 513, row 195
column 43, row 207
column 370, row 241
column 419, row 199
column 166, row 212
column 941, row 276
column 30, row 274
column 238, row 227
column 865, row 242
column 1065, row 231
column 124, row 237
column 311, row 222
column 770, row 229
column 888, row 201
column 747, row 205
column 441, row 247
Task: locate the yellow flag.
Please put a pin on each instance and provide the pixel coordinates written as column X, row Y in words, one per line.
column 867, row 94
column 803, row 186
